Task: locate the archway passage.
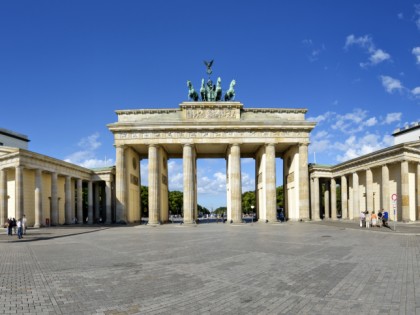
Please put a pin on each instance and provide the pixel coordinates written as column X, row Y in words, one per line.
column 213, row 130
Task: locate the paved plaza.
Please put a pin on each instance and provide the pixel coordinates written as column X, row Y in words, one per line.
column 288, row 268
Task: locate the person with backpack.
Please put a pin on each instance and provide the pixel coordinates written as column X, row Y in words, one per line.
column 385, row 219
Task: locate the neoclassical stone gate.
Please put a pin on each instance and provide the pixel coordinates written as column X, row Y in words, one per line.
column 206, row 130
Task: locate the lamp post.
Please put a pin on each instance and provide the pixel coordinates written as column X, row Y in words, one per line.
column 252, row 214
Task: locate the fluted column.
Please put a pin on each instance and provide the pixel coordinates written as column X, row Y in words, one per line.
column 344, row 198
column 67, row 203
column 369, row 190
column 385, row 196
column 97, row 190
column 270, row 184
column 79, row 201
column 418, row 192
column 333, row 199
column 235, row 183
column 153, row 185
column 120, row 185
column 54, row 199
column 108, row 206
column 327, row 201
column 356, row 203
column 405, row 198
column 38, row 198
column 3, row 197
column 19, row 192
column 316, row 199
column 90, row 202
column 188, row 167
column 303, row 182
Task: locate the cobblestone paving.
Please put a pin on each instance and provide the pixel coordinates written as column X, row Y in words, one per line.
column 289, row 268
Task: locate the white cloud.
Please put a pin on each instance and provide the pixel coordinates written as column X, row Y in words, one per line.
column 376, row 55
column 390, row 84
column 416, row 91
column 315, row 51
column 416, row 53
column 354, row 147
column 86, row 157
column 392, row 117
column 417, row 11
column 400, row 15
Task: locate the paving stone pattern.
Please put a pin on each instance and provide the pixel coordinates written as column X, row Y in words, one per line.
column 288, row 268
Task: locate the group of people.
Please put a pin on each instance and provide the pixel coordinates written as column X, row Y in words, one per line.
column 20, row 225
column 372, row 219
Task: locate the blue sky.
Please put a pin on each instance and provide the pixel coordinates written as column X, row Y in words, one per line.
column 66, row 66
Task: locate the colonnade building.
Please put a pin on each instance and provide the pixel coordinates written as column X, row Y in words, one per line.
column 387, row 179
column 50, row 191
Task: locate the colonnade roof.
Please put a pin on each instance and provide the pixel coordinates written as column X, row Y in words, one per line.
column 12, row 157
column 409, row 151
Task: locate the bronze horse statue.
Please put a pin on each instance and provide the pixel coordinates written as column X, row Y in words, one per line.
column 230, row 94
column 192, row 94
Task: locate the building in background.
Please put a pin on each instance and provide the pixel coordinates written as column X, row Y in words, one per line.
column 387, row 179
column 49, row 191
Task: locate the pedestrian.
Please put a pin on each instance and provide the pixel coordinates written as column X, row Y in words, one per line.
column 9, row 226
column 385, row 219
column 374, row 218
column 19, row 228
column 380, row 217
column 24, row 224
column 367, row 219
column 362, row 218
column 14, row 224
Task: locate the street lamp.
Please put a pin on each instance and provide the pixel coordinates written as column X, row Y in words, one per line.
column 252, row 214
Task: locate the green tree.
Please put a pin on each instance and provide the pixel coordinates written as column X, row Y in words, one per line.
column 280, row 197
column 144, row 199
column 248, row 200
column 176, row 201
column 220, row 210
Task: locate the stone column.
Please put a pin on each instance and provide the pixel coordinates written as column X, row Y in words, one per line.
column 121, row 185
column 3, row 197
column 303, row 182
column 19, row 192
column 333, row 199
column 154, row 185
column 418, row 192
column 344, row 198
column 270, row 184
column 67, row 204
column 327, row 201
column 79, row 201
column 54, row 199
column 385, row 196
column 236, row 183
column 38, row 198
column 369, row 190
column 405, row 200
column 108, row 206
column 90, row 202
column 188, row 167
column 356, row 202
column 97, row 188
column 316, row 200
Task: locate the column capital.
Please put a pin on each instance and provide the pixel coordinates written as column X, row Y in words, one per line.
column 303, row 144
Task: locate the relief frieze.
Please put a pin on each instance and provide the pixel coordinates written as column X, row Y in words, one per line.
column 207, row 134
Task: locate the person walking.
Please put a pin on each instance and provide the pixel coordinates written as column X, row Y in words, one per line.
column 385, row 219
column 374, row 218
column 367, row 219
column 9, row 226
column 24, row 224
column 19, row 228
column 362, row 218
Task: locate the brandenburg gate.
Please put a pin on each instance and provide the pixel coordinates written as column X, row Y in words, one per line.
column 212, row 129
